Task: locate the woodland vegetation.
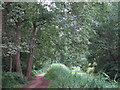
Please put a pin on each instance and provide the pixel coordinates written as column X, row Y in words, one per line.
column 82, row 35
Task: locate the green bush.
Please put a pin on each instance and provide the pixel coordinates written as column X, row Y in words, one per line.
column 57, row 70
column 62, row 77
column 12, row 79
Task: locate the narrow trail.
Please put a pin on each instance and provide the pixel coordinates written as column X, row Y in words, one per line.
column 38, row 82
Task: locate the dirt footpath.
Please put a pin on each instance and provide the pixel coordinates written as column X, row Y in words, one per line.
column 38, row 82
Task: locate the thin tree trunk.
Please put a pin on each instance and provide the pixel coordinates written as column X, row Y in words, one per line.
column 18, row 40
column 14, row 62
column 11, row 61
column 31, row 53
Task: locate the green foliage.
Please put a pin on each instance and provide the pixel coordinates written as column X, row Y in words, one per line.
column 62, row 78
column 72, row 33
column 24, row 16
column 104, row 48
column 13, row 80
column 68, row 40
column 37, row 72
column 5, row 64
column 57, row 70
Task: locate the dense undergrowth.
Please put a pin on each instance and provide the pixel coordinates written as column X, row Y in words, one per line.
column 13, row 80
column 62, row 77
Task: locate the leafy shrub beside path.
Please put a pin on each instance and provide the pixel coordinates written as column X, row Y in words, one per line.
column 62, row 77
column 13, row 80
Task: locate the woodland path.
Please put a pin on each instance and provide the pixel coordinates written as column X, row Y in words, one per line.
column 38, row 82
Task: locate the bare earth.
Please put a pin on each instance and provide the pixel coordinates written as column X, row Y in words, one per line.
column 38, row 82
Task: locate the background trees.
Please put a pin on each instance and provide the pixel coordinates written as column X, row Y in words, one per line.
column 75, row 34
column 105, row 41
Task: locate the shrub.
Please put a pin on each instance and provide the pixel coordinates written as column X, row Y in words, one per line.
column 57, row 70
column 10, row 79
column 62, row 77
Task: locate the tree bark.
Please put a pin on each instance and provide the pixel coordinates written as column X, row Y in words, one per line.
column 4, row 14
column 29, row 64
column 4, row 30
column 18, row 40
column 11, row 61
column 31, row 53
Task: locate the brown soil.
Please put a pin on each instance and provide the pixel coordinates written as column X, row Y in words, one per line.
column 38, row 82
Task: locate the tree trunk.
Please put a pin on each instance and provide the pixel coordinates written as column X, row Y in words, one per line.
column 31, row 53
column 29, row 64
column 4, row 13
column 3, row 28
column 10, row 70
column 18, row 40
